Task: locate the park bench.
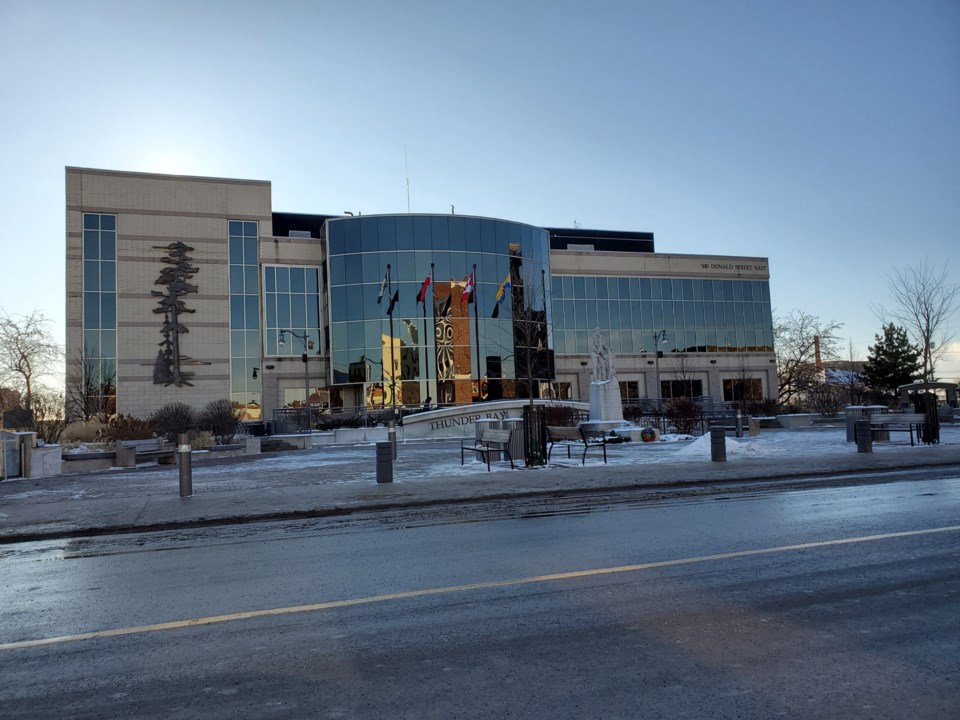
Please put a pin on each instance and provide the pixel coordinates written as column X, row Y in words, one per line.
column 131, row 452
column 896, row 422
column 575, row 436
column 490, row 441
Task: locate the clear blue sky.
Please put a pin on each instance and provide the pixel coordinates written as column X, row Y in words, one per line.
column 823, row 135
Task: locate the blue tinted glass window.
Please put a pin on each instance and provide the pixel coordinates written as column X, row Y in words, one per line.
column 108, row 276
column 298, row 311
column 404, row 233
column 236, row 250
column 353, row 270
column 488, row 236
column 91, row 275
column 91, row 221
column 250, row 251
column 601, row 289
column 458, row 235
column 387, row 233
column 283, row 279
column 236, row 312
column 108, row 343
column 108, row 245
column 252, row 312
column 283, row 310
column 557, row 288
column 108, row 310
column 297, row 282
column 579, row 291
column 439, row 235
column 91, row 245
column 236, row 279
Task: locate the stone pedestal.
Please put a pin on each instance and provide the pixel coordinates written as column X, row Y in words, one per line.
column 605, row 403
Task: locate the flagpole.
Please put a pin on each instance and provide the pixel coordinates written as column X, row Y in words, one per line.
column 476, row 329
column 426, row 339
column 393, row 364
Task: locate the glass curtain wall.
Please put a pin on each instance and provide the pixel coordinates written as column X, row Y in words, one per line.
column 97, row 374
column 698, row 315
column 453, row 347
column 244, row 262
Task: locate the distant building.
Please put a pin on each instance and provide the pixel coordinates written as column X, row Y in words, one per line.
column 182, row 289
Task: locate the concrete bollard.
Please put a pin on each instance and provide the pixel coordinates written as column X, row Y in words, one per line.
column 184, row 461
column 718, row 444
column 384, row 463
column 864, row 436
column 392, row 436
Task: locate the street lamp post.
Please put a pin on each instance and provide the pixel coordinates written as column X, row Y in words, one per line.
column 658, row 337
column 307, row 344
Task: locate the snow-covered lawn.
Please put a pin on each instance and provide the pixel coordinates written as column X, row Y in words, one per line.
column 422, row 461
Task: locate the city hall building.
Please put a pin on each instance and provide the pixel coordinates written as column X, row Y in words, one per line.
column 194, row 289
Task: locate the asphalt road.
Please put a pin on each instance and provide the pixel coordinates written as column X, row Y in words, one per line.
column 819, row 603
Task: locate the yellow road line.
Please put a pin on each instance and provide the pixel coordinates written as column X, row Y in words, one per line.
column 554, row 577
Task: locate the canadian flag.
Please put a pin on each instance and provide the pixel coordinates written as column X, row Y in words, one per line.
column 468, row 291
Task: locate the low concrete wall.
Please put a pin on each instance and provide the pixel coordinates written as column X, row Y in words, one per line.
column 46, row 461
column 794, row 421
column 87, row 462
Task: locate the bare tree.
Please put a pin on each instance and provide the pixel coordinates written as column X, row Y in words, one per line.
column 90, row 393
column 923, row 300
column 797, row 337
column 684, row 373
column 28, row 354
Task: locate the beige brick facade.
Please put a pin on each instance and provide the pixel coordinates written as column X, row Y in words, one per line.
column 153, row 211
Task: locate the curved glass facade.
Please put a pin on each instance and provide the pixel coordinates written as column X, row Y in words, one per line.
column 699, row 315
column 445, row 349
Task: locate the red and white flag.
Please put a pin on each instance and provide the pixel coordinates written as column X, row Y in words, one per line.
column 468, row 291
column 422, row 295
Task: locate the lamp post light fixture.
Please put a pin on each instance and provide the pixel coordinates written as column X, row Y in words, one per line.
column 307, row 345
column 658, row 338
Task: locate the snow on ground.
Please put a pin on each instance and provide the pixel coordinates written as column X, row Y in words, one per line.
column 439, row 460
column 430, row 461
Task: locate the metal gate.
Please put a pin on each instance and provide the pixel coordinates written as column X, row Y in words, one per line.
column 10, row 455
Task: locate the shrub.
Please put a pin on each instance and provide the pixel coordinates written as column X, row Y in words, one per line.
column 128, row 427
column 826, row 400
column 82, row 432
column 633, row 412
column 684, row 414
column 174, row 419
column 221, row 421
column 201, row 440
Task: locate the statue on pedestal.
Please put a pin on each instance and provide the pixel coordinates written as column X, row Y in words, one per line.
column 605, row 402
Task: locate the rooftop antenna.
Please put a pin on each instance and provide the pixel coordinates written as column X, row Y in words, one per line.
column 451, row 210
column 406, row 170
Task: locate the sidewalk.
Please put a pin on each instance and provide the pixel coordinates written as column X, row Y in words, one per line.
column 341, row 479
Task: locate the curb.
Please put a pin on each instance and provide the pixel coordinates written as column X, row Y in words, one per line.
column 650, row 492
